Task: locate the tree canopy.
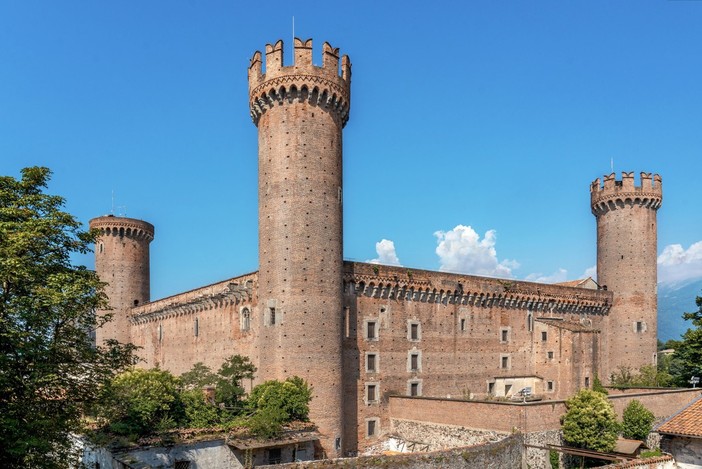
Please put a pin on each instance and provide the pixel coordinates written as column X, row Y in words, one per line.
column 637, row 421
column 590, row 422
column 49, row 369
column 687, row 359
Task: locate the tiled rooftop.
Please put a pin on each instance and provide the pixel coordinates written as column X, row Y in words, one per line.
column 687, row 422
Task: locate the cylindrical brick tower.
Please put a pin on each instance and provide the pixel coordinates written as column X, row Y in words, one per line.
column 122, row 261
column 300, row 111
column 626, row 265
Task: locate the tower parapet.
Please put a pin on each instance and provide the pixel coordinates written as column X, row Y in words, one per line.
column 122, row 261
column 626, row 265
column 321, row 86
column 611, row 193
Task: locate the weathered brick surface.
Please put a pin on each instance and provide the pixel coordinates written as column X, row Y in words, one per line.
column 626, row 265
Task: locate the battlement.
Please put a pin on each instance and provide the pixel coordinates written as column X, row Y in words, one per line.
column 324, row 86
column 609, row 193
column 111, row 225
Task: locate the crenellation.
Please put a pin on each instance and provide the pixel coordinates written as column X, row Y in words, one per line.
column 303, row 53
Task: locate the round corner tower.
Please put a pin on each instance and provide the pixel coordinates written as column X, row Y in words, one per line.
column 626, row 266
column 300, row 111
column 122, row 261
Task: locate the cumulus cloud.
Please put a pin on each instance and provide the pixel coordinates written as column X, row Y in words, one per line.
column 677, row 265
column 590, row 272
column 461, row 250
column 560, row 275
column 386, row 253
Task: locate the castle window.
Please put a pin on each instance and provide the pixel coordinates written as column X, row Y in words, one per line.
column 371, row 427
column 371, row 362
column 639, row 326
column 101, row 247
column 196, row 327
column 530, row 321
column 550, row 355
column 136, row 302
column 463, row 324
column 182, row 464
column 587, row 381
column 371, row 393
column 504, row 362
column 272, row 316
column 549, row 386
column 371, row 333
column 504, row 335
column 413, row 331
column 160, row 333
column 245, row 319
column 414, row 388
column 414, row 362
column 544, row 336
column 491, row 389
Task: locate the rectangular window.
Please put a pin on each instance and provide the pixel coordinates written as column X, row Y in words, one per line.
column 370, row 362
column 414, row 362
column 371, row 428
column 491, row 389
column 414, row 331
column 370, row 330
column 160, row 333
column 272, row 311
column 504, row 362
column 504, row 335
column 639, row 326
column 550, row 355
column 274, row 456
column 196, row 327
column 371, row 393
column 463, row 324
column 587, row 381
column 414, row 389
column 544, row 336
column 549, row 386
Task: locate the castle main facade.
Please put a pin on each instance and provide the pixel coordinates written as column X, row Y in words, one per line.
column 359, row 332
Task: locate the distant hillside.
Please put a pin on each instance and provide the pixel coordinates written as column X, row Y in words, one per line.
column 673, row 301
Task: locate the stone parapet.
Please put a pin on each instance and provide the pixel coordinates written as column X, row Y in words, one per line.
column 611, row 193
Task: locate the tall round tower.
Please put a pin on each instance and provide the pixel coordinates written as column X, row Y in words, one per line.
column 300, row 111
column 122, row 261
column 626, row 265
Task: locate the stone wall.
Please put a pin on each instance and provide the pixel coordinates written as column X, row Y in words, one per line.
column 438, row 437
column 505, row 454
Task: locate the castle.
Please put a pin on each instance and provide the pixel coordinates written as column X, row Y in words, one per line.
column 359, row 332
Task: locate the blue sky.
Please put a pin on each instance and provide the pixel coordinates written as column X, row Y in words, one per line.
column 493, row 117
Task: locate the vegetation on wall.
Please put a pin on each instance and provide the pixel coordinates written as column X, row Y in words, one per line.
column 50, row 372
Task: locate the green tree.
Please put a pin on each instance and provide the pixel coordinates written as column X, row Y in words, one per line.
column 198, row 377
column 198, row 412
column 139, row 401
column 49, row 369
column 687, row 359
column 590, row 422
column 637, row 421
column 229, row 389
column 290, row 398
column 598, row 387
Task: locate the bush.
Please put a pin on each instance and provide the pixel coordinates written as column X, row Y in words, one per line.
column 198, row 412
column 638, row 421
column 289, row 398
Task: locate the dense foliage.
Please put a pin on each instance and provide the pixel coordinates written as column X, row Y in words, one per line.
column 49, row 370
column 646, row 376
column 686, row 362
column 637, row 421
column 590, row 422
column 141, row 402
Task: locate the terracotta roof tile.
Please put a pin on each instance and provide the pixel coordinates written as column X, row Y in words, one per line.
column 687, row 422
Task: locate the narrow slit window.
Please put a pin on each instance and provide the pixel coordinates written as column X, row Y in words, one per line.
column 370, row 330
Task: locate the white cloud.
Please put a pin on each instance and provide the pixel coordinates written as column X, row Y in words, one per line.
column 676, row 265
column 560, row 275
column 386, row 253
column 461, row 250
column 590, row 272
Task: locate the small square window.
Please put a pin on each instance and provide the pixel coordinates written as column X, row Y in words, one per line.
column 414, row 389
column 370, row 330
column 544, row 336
column 549, row 386
column 504, row 362
column 371, row 360
column 550, row 355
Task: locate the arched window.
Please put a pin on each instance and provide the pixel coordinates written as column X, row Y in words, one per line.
column 245, row 319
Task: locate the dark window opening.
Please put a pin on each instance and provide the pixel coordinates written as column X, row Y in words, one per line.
column 370, row 330
column 272, row 316
column 491, row 389
column 639, row 326
column 587, row 381
column 505, row 362
column 245, row 319
column 371, row 427
column 196, row 327
column 183, row 464
column 414, row 362
column 550, row 355
column 371, row 395
column 463, row 324
column 544, row 336
column 274, row 456
column 414, row 389
column 370, row 362
column 549, row 385
column 414, row 331
column 505, row 335
column 136, row 302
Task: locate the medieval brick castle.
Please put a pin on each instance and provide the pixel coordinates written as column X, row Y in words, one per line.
column 357, row 331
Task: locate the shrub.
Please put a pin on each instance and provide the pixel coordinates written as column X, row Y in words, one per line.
column 638, row 421
column 590, row 422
